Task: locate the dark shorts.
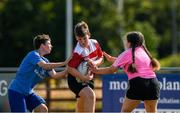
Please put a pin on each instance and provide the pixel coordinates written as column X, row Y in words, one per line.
column 143, row 89
column 76, row 87
column 22, row 103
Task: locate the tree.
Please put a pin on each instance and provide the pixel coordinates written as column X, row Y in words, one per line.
column 21, row 20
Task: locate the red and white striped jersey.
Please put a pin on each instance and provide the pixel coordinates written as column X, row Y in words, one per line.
column 80, row 54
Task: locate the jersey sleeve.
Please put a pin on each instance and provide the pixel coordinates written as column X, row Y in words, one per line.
column 75, row 60
column 123, row 59
column 99, row 51
column 35, row 58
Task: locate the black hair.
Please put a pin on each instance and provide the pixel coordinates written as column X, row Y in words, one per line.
column 154, row 62
column 136, row 39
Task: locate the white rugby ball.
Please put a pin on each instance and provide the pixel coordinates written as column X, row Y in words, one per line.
column 83, row 69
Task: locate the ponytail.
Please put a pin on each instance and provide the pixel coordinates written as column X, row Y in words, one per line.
column 137, row 40
column 154, row 62
column 132, row 67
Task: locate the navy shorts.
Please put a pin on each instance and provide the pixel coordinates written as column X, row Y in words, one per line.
column 22, row 103
column 143, row 89
column 76, row 87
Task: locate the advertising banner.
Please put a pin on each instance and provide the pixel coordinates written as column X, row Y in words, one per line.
column 5, row 79
column 115, row 85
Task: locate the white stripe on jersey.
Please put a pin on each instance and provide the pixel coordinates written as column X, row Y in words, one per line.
column 85, row 51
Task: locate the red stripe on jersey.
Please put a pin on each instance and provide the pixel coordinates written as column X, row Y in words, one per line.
column 78, row 56
column 97, row 53
column 75, row 60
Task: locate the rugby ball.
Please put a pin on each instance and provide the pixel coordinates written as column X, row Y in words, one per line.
column 83, row 69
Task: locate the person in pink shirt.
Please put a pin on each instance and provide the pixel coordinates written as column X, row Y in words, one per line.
column 140, row 67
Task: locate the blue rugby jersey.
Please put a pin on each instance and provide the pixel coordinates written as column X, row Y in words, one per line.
column 29, row 73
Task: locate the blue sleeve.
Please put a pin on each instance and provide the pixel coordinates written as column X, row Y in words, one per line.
column 35, row 58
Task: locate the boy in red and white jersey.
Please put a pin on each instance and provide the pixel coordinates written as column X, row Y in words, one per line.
column 93, row 52
column 86, row 50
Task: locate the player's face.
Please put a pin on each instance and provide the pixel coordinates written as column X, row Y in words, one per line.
column 47, row 47
column 126, row 43
column 83, row 41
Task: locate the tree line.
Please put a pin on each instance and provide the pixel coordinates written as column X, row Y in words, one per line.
column 108, row 20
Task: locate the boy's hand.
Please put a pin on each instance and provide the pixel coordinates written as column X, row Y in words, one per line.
column 93, row 69
column 89, row 76
column 91, row 63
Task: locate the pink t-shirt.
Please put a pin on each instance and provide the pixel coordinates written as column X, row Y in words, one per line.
column 142, row 62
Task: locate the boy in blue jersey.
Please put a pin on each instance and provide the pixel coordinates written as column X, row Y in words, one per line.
column 34, row 68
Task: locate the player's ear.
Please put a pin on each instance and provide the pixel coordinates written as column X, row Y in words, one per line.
column 76, row 38
column 41, row 45
column 89, row 34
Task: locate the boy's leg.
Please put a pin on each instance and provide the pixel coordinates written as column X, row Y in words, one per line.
column 36, row 103
column 89, row 98
column 80, row 105
column 41, row 108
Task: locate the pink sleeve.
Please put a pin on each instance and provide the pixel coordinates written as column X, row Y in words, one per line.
column 123, row 59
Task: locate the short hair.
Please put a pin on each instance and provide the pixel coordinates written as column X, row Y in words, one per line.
column 81, row 29
column 40, row 39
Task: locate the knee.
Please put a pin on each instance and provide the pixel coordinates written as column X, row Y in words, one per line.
column 44, row 109
column 91, row 96
column 41, row 108
column 87, row 94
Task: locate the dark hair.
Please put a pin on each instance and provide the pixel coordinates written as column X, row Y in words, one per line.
column 40, row 39
column 81, row 29
column 137, row 39
column 154, row 62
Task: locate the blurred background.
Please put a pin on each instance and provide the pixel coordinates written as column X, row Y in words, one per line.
column 108, row 20
column 21, row 20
